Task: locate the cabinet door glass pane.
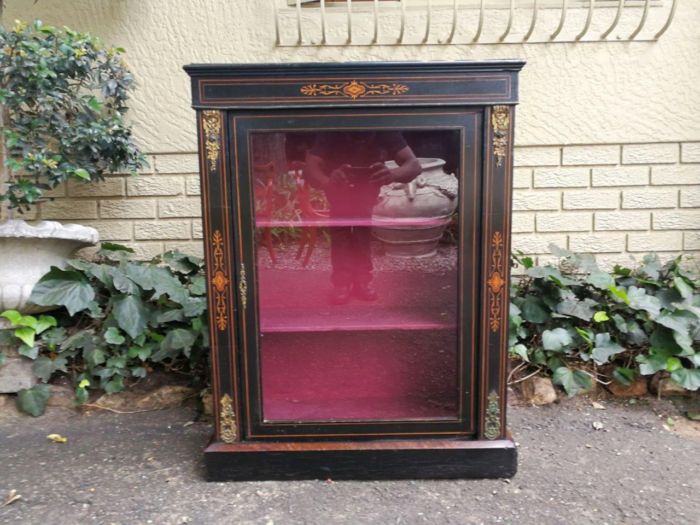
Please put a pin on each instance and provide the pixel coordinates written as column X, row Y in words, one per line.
column 357, row 273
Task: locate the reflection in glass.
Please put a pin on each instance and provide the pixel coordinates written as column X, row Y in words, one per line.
column 357, row 258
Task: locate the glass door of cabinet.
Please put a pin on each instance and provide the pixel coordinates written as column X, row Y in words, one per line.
column 359, row 230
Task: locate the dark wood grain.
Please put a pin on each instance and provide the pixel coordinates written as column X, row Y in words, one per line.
column 315, row 96
column 434, row 459
column 422, row 83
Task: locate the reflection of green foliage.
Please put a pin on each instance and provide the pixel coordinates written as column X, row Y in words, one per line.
column 285, row 205
column 581, row 324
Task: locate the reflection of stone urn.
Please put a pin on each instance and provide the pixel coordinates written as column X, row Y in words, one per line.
column 409, row 218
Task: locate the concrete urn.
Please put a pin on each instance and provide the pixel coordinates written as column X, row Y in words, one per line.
column 28, row 251
column 409, row 218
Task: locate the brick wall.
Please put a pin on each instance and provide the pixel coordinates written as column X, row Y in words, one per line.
column 611, row 200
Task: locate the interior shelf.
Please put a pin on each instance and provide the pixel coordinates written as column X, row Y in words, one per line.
column 353, row 318
column 350, row 221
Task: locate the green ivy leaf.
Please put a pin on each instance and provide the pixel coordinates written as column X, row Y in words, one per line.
column 600, row 317
column 94, row 356
column 688, row 378
column 551, row 273
column 605, row 348
column 640, row 300
column 26, row 335
column 114, row 385
column 115, row 247
column 170, row 316
column 683, row 287
column 682, row 323
column 142, row 352
column 194, row 306
column 113, row 337
column 619, row 293
column 44, row 323
column 673, row 363
column 63, row 288
column 123, row 283
column 581, row 309
column 94, row 104
column 600, row 280
column 30, row 352
column 533, row 310
column 81, row 173
column 624, row 375
column 653, row 362
column 131, row 315
column 33, row 400
column 556, row 339
column 521, row 351
column 81, row 395
column 13, row 316
column 573, row 381
column 44, row 367
column 662, row 338
column 118, row 362
column 175, row 341
column 527, row 262
column 199, row 285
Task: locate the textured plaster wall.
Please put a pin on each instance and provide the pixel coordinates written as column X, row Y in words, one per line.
column 607, row 135
column 571, row 93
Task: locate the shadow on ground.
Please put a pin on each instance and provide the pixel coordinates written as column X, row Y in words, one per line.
column 147, row 468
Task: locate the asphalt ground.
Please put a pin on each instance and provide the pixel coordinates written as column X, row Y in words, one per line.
column 626, row 463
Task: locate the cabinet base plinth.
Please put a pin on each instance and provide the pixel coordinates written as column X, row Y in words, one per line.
column 432, row 459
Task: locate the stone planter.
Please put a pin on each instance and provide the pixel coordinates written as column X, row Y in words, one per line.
column 409, row 218
column 29, row 251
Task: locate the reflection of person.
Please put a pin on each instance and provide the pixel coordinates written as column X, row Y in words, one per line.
column 349, row 167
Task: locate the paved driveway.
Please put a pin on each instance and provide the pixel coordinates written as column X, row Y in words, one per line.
column 147, row 468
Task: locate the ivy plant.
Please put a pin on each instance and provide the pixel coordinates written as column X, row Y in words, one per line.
column 120, row 318
column 581, row 324
column 63, row 96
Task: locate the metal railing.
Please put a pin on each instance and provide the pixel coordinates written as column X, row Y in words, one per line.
column 336, row 22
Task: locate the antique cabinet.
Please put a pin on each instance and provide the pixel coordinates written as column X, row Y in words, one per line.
column 357, row 236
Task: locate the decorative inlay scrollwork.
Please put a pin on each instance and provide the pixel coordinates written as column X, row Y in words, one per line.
column 496, row 281
column 211, row 122
column 354, row 89
column 243, row 286
column 492, row 423
column 227, row 420
column 219, row 281
column 500, row 121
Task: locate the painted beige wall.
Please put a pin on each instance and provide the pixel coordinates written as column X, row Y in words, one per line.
column 571, row 93
column 607, row 140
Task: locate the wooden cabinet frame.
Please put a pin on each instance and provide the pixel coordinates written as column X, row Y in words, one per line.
column 475, row 98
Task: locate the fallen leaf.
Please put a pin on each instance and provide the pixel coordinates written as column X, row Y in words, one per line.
column 598, row 406
column 694, row 416
column 670, row 422
column 57, row 438
column 597, row 425
column 12, row 496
